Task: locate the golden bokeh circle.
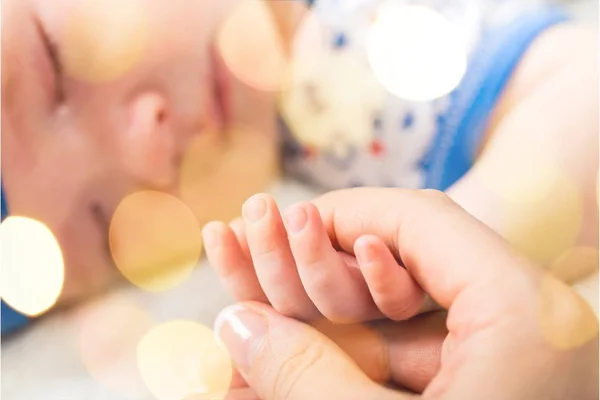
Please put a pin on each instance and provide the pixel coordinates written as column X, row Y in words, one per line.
column 415, row 52
column 519, row 170
column 180, row 359
column 332, row 106
column 103, row 40
column 254, row 42
column 546, row 228
column 575, row 264
column 32, row 267
column 155, row 240
column 588, row 289
column 565, row 319
column 220, row 170
column 108, row 338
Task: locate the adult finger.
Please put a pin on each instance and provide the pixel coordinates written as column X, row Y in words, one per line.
column 428, row 232
column 407, row 353
column 282, row 358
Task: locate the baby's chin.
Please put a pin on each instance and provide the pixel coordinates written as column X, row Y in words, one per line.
column 89, row 268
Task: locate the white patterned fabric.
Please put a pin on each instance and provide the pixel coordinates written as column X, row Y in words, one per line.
column 342, row 128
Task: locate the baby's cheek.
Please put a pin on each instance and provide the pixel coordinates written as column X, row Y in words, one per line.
column 10, row 39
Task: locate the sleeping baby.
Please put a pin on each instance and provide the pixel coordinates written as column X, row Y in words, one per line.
column 95, row 108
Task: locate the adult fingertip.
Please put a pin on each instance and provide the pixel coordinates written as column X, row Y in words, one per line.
column 239, row 327
column 283, row 358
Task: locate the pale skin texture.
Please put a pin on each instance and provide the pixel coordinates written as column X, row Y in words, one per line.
column 68, row 162
column 495, row 347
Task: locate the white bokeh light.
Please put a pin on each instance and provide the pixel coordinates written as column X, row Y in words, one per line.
column 32, row 266
column 415, row 52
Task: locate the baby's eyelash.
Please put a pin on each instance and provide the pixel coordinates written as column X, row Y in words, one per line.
column 53, row 55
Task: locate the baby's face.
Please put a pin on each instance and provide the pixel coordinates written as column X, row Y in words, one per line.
column 100, row 99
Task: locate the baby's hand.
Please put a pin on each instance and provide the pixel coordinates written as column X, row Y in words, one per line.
column 295, row 267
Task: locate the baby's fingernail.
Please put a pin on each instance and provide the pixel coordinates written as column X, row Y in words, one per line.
column 240, row 328
column 209, row 234
column 365, row 251
column 295, row 219
column 254, row 209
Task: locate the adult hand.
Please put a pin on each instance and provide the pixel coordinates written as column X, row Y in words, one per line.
column 514, row 332
column 402, row 353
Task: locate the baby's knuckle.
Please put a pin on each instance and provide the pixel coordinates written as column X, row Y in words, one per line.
column 295, row 367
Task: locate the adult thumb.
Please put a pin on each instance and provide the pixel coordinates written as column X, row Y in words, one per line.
column 284, row 359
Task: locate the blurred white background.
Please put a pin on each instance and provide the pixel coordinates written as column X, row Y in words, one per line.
column 585, row 9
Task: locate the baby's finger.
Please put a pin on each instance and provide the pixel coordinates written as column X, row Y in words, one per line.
column 237, row 226
column 395, row 292
column 338, row 290
column 272, row 258
column 231, row 264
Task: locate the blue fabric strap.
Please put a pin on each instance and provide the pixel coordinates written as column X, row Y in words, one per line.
column 461, row 129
